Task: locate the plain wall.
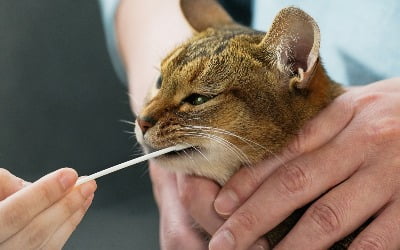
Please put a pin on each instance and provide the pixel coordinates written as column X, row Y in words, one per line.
column 60, row 105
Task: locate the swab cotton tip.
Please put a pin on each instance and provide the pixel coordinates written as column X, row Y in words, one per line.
column 120, row 166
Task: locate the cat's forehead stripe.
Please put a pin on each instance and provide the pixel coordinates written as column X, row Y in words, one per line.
column 207, row 44
column 212, row 42
column 172, row 56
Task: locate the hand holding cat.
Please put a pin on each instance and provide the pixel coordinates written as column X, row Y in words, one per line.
column 348, row 156
column 176, row 224
column 42, row 214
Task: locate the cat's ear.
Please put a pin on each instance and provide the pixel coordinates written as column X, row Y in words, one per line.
column 203, row 14
column 295, row 38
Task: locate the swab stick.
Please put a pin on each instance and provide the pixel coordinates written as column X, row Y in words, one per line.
column 120, row 166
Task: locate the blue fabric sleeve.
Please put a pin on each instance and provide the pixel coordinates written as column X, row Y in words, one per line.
column 108, row 9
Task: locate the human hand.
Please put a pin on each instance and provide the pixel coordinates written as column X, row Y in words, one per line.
column 349, row 154
column 42, row 214
column 197, row 196
column 176, row 225
column 183, row 202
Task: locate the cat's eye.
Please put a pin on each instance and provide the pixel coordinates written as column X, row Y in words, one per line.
column 159, row 82
column 196, row 99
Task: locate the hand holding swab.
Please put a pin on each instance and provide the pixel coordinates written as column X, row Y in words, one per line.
column 120, row 166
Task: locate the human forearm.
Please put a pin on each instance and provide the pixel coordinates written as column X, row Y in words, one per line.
column 146, row 31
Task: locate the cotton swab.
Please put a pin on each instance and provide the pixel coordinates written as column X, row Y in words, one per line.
column 120, row 166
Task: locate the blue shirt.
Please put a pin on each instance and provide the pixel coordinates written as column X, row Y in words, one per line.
column 360, row 39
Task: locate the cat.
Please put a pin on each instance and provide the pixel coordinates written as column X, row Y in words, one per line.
column 236, row 96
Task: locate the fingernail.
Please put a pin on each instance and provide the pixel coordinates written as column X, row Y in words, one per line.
column 67, row 179
column 226, row 202
column 258, row 246
column 224, row 240
column 88, row 189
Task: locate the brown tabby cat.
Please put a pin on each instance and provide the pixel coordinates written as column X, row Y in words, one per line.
column 235, row 95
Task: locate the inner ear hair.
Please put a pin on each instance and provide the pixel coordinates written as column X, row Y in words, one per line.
column 300, row 80
column 203, row 14
column 295, row 38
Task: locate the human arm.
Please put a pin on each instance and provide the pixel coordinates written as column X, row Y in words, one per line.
column 42, row 214
column 146, row 31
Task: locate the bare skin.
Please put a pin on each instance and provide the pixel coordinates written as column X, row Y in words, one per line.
column 42, row 214
column 351, row 147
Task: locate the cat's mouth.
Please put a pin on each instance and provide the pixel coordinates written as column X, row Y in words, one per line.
column 189, row 151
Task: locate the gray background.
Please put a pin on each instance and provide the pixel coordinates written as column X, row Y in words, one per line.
column 60, row 105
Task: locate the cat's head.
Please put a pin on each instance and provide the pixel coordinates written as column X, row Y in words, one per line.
column 234, row 95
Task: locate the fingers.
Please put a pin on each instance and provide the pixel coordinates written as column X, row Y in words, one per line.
column 19, row 209
column 197, row 196
column 322, row 128
column 339, row 212
column 176, row 226
column 45, row 224
column 9, row 183
column 60, row 237
column 383, row 232
column 240, row 186
column 313, row 135
column 291, row 186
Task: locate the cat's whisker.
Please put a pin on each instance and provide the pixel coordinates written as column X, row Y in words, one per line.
column 127, row 122
column 233, row 148
column 219, row 142
column 246, row 159
column 193, row 134
column 191, row 158
column 201, row 153
column 239, row 153
column 226, row 132
column 146, row 170
column 129, row 132
column 247, row 141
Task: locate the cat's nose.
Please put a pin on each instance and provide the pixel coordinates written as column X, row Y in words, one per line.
column 145, row 123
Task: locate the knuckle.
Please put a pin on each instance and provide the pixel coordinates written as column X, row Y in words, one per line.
column 75, row 220
column 325, row 217
column 293, row 179
column 36, row 237
column 251, row 179
column 370, row 242
column 45, row 194
column 296, row 146
column 383, row 130
column 366, row 99
column 246, row 220
column 69, row 206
